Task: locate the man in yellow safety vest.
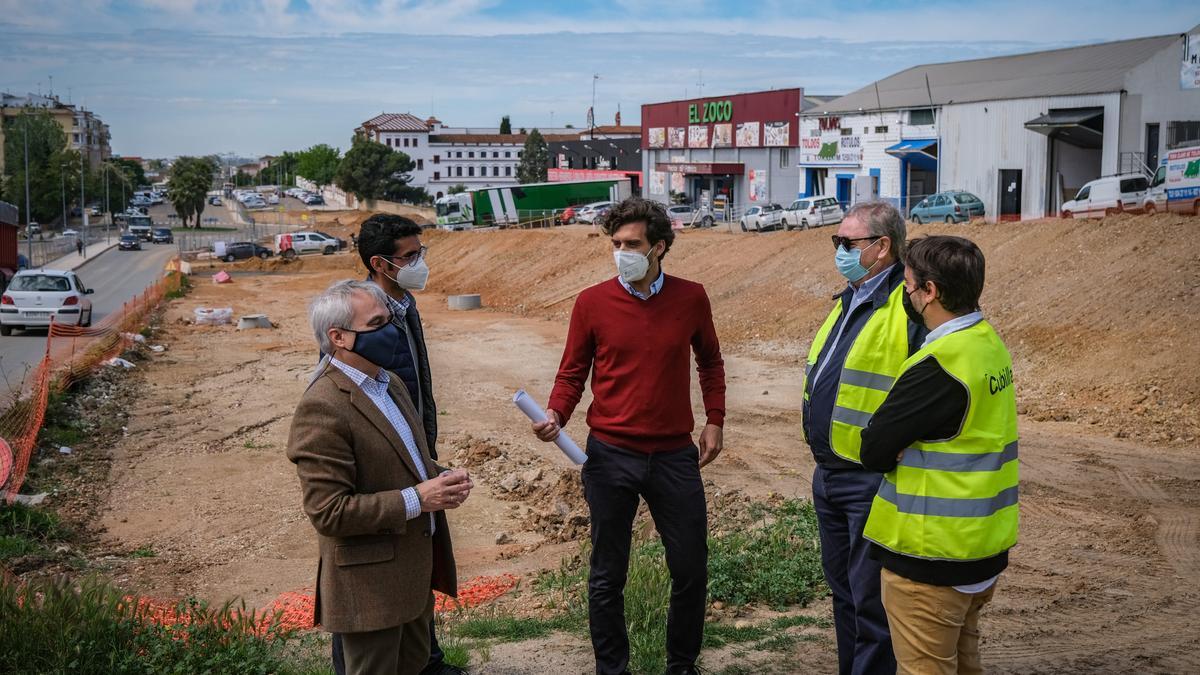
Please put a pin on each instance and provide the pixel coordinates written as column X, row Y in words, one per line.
column 945, row 439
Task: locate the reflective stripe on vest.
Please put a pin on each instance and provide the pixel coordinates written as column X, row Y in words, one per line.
column 957, row 499
column 871, row 366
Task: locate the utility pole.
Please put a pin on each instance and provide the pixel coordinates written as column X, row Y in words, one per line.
column 107, row 205
column 28, row 233
column 62, row 189
column 82, row 207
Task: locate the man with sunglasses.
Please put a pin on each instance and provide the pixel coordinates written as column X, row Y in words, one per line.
column 390, row 248
column 855, row 356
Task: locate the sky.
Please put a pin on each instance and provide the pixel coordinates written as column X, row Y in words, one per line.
column 252, row 77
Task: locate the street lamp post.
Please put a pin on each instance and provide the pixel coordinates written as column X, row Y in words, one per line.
column 28, row 232
column 83, row 207
column 62, row 189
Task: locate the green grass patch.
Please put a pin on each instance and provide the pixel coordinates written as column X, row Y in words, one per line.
column 778, row 562
column 61, row 427
column 505, row 627
column 55, row 626
column 143, row 552
column 26, row 530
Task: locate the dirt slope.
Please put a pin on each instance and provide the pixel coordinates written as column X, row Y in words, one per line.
column 1100, row 316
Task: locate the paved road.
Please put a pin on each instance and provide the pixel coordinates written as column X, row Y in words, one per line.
column 116, row 276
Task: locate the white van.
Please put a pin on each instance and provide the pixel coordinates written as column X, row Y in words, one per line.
column 1176, row 184
column 1107, row 196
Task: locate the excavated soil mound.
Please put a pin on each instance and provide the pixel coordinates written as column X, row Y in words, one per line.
column 1100, row 315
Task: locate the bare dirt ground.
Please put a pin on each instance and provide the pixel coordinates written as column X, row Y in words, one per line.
column 1100, row 316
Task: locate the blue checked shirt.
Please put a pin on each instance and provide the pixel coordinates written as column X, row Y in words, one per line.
column 376, row 388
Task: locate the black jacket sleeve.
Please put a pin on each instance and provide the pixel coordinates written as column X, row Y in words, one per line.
column 926, row 403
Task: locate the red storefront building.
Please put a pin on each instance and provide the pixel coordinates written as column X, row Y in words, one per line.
column 729, row 152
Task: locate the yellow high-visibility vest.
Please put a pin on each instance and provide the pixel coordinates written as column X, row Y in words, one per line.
column 872, row 365
column 956, row 499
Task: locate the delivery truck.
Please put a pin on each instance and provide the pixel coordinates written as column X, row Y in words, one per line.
column 1176, row 184
column 521, row 204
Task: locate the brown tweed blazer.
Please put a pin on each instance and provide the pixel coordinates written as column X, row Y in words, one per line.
column 376, row 568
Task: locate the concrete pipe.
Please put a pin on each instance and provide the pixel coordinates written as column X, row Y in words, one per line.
column 464, row 302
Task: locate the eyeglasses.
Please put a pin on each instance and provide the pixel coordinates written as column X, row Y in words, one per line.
column 408, row 259
column 848, row 243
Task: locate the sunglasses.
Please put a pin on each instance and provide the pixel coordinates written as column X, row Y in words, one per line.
column 848, row 243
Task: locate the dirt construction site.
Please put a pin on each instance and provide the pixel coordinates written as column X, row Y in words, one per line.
column 1101, row 317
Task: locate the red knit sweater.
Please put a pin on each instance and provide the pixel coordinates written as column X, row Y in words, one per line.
column 638, row 353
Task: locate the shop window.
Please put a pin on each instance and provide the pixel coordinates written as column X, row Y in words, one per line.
column 881, row 130
column 920, row 116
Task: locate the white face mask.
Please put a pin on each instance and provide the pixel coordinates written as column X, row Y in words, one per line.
column 410, row 277
column 631, row 265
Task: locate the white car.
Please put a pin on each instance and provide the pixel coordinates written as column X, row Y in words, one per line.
column 70, row 233
column 272, row 199
column 761, row 218
column 588, row 212
column 812, row 212
column 688, row 215
column 1108, row 196
column 299, row 243
column 34, row 298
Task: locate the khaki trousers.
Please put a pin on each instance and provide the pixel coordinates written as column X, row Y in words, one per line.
column 400, row 650
column 935, row 629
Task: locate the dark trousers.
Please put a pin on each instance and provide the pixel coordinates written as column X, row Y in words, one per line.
column 436, row 656
column 613, row 479
column 843, row 500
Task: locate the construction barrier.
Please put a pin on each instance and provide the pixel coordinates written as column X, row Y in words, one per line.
column 72, row 353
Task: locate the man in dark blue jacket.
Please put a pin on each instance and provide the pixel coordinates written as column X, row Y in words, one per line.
column 390, row 248
column 855, row 357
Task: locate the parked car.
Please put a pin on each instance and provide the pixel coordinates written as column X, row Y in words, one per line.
column 70, row 233
column 141, row 202
column 300, row 243
column 242, row 250
column 1107, row 196
column 314, row 200
column 37, row 297
column 690, row 215
column 272, row 199
column 94, row 211
column 952, row 206
column 812, row 212
column 129, row 242
column 588, row 212
column 33, row 228
column 761, row 218
column 162, row 235
column 214, row 200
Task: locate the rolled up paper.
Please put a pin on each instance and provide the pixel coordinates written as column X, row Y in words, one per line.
column 536, row 415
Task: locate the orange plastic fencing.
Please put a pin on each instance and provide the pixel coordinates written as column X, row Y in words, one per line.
column 72, row 353
column 295, row 610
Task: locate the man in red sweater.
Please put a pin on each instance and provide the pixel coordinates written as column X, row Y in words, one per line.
column 635, row 334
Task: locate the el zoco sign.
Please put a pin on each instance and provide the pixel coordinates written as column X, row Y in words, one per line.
column 712, row 111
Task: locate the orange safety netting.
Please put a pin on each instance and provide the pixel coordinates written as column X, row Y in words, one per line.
column 72, row 352
column 296, row 609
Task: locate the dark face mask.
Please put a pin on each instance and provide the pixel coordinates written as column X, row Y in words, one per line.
column 383, row 346
column 913, row 315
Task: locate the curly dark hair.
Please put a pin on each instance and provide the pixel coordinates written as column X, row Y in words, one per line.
column 378, row 234
column 638, row 210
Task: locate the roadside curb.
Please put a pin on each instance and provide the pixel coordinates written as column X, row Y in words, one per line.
column 90, row 258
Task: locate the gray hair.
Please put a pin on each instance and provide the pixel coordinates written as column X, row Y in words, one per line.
column 333, row 308
column 882, row 220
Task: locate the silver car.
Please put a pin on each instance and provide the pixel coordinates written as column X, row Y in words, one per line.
column 688, row 215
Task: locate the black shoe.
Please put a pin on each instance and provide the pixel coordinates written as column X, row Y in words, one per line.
column 442, row 668
column 686, row 670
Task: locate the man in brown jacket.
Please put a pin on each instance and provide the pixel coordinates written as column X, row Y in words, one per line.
column 371, row 491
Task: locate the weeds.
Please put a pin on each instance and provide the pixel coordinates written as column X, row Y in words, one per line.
column 26, row 531
column 143, row 552
column 775, row 562
column 185, row 285
column 53, row 626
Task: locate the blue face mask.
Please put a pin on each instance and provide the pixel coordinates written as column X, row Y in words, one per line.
column 385, row 346
column 849, row 263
